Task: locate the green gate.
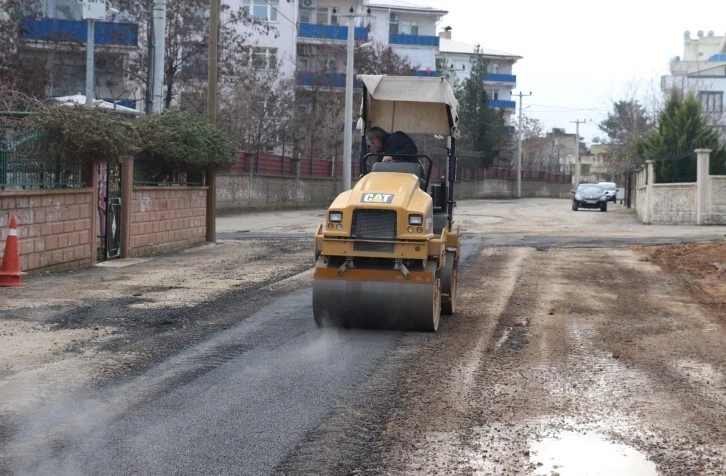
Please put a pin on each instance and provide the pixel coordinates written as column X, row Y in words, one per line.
column 27, row 163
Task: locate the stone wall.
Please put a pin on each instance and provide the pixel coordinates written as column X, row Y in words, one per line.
column 674, row 204
column 699, row 203
column 718, row 200
column 500, row 188
column 247, row 191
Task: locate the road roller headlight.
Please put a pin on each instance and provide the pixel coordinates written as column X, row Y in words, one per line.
column 415, row 220
column 335, row 217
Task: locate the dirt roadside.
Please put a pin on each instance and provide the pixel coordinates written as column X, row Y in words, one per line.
column 701, row 265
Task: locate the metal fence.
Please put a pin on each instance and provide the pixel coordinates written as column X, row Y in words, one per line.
column 26, row 163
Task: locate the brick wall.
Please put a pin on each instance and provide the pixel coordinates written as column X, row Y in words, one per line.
column 54, row 227
column 167, row 218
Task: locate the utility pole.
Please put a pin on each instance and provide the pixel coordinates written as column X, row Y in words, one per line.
column 348, row 119
column 159, row 22
column 347, row 131
column 577, row 150
column 212, row 117
column 90, row 38
column 519, row 146
column 92, row 10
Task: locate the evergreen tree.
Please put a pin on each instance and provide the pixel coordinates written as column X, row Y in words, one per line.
column 483, row 129
column 681, row 129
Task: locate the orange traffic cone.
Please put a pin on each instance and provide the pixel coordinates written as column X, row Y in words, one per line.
column 10, row 272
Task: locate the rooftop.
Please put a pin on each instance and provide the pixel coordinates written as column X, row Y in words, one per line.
column 451, row 46
column 403, row 5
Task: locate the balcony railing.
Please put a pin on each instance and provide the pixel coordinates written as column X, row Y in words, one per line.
column 501, row 78
column 501, row 104
column 425, row 73
column 417, row 40
column 105, row 33
column 331, row 32
column 332, row 80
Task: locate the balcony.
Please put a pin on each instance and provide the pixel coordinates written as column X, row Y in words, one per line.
column 331, row 32
column 415, row 40
column 425, row 73
column 501, row 104
column 105, row 33
column 332, row 80
column 501, row 78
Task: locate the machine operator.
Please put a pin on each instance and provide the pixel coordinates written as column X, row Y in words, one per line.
column 391, row 145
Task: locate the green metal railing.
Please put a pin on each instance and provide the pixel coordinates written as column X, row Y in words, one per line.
column 27, row 163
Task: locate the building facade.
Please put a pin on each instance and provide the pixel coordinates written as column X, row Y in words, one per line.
column 307, row 41
column 702, row 71
column 54, row 36
column 454, row 60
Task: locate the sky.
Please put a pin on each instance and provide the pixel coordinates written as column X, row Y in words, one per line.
column 579, row 57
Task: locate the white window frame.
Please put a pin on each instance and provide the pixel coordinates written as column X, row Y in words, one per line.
column 408, row 28
column 251, row 55
column 711, row 101
column 254, row 8
column 307, row 15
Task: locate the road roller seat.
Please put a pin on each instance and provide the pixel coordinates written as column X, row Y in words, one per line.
column 402, row 167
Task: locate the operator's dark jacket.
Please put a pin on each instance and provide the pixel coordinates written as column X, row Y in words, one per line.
column 399, row 143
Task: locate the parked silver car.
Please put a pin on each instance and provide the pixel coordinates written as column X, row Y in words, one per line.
column 611, row 190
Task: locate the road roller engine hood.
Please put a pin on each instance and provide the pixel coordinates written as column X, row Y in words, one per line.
column 395, row 192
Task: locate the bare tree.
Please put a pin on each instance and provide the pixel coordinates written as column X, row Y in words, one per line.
column 534, row 145
column 624, row 126
column 257, row 110
column 186, row 48
column 320, row 103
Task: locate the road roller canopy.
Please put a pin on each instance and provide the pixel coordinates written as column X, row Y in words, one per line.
column 415, row 105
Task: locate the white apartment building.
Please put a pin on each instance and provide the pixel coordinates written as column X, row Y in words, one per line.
column 454, row 61
column 276, row 49
column 409, row 29
column 309, row 39
column 54, row 35
column 702, row 71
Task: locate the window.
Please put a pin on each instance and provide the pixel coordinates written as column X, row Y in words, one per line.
column 306, row 15
column 711, row 101
column 317, row 64
column 67, row 79
column 493, row 68
column 303, row 64
column 393, row 25
column 67, row 10
column 321, row 16
column 408, row 28
column 260, row 58
column 262, row 9
column 195, row 61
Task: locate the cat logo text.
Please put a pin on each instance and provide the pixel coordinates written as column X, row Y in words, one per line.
column 377, row 198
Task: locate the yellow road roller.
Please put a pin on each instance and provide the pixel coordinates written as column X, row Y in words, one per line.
column 387, row 253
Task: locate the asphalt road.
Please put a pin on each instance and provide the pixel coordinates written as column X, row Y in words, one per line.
column 261, row 390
